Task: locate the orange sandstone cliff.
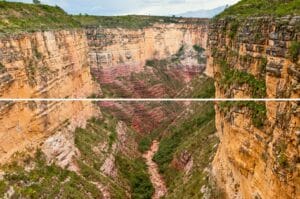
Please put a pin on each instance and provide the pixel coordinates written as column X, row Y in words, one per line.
column 258, row 154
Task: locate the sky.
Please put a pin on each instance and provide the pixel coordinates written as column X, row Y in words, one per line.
column 122, row 7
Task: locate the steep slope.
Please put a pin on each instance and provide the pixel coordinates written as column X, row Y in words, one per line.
column 16, row 18
column 105, row 162
column 257, row 56
column 186, row 150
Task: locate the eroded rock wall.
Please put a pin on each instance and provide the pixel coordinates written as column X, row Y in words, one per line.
column 123, row 51
column 50, row 64
column 258, row 154
column 118, row 53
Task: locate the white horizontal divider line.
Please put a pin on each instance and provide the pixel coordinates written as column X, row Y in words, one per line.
column 151, row 99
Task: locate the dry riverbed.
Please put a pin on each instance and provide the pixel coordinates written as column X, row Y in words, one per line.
column 155, row 177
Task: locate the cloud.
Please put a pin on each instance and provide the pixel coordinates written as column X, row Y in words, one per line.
column 120, row 7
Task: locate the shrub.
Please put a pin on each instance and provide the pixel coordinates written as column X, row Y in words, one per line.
column 280, row 149
column 151, row 62
column 3, row 188
column 48, row 181
column 233, row 29
column 233, row 76
column 144, row 144
column 294, row 51
column 198, row 48
column 135, row 170
column 258, row 110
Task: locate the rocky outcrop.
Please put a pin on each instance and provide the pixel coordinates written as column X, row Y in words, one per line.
column 143, row 117
column 25, row 125
column 50, row 64
column 258, row 154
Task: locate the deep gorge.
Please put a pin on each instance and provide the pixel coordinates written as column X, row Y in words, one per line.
column 84, row 149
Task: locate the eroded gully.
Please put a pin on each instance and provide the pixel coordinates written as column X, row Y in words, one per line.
column 156, row 179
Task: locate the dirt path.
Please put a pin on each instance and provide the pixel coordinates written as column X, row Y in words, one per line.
column 155, row 177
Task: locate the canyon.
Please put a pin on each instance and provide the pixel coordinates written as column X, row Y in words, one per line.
column 86, row 149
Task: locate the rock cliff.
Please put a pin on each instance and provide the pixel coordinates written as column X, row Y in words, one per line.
column 256, row 57
column 122, row 58
column 51, row 64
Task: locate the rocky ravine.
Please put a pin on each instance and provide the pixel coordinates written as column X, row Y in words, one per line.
column 155, row 177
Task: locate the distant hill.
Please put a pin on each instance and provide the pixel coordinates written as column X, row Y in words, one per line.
column 203, row 13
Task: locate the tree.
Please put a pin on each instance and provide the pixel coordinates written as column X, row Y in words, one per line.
column 36, row 1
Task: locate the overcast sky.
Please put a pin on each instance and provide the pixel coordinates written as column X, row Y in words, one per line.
column 120, row 7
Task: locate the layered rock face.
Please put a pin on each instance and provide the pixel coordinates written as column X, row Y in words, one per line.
column 144, row 117
column 157, row 61
column 258, row 154
column 117, row 54
column 50, row 64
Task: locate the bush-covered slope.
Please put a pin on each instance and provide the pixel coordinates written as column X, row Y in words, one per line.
column 186, row 150
column 129, row 21
column 20, row 17
column 34, row 177
column 246, row 8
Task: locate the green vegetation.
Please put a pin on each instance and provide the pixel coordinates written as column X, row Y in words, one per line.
column 203, row 87
column 162, row 73
column 3, row 188
column 180, row 52
column 198, row 48
column 50, row 181
column 262, row 67
column 191, row 135
column 19, row 17
column 200, row 51
column 233, row 76
column 246, row 8
column 129, row 21
column 2, row 68
column 135, row 171
column 280, row 149
column 86, row 139
column 294, row 51
column 31, row 71
column 258, row 110
column 47, row 181
column 145, row 144
column 169, row 144
column 132, row 170
column 233, row 29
